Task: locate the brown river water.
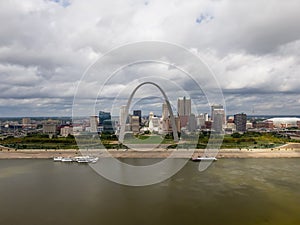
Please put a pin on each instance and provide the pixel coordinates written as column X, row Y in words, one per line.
column 230, row 191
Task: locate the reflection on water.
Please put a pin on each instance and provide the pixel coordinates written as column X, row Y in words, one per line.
column 231, row 191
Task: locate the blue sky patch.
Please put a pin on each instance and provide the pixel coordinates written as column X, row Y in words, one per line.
column 204, row 18
column 63, row 3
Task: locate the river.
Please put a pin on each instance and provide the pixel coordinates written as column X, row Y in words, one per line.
column 230, row 191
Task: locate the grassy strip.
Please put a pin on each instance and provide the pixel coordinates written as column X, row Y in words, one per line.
column 247, row 140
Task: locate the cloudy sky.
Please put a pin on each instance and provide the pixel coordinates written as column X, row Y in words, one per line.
column 252, row 47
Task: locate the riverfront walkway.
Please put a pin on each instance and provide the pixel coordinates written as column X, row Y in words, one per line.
column 158, row 153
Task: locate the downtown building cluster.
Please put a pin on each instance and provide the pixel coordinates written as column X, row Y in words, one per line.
column 185, row 120
column 137, row 123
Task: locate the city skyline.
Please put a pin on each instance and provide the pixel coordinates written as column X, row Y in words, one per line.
column 155, row 124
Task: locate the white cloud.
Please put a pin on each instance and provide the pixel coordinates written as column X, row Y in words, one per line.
column 45, row 46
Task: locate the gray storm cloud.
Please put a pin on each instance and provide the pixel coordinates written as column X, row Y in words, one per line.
column 251, row 46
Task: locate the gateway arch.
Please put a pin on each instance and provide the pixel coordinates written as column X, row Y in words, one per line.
column 174, row 127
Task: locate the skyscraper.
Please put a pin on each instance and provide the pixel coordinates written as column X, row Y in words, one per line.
column 103, row 116
column 122, row 116
column 165, row 124
column 192, row 124
column 218, row 122
column 139, row 114
column 93, row 123
column 153, row 122
column 218, row 118
column 216, row 107
column 109, row 126
column 184, row 106
column 240, row 121
column 165, row 111
column 184, row 110
column 135, row 124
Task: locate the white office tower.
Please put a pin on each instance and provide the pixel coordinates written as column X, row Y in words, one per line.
column 218, row 118
column 165, row 111
column 217, row 124
column 153, row 123
column 214, row 108
column 94, row 123
column 164, row 123
column 206, row 117
column 184, row 106
column 122, row 116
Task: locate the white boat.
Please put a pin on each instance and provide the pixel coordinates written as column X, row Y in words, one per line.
column 86, row 159
column 57, row 159
column 82, row 160
column 66, row 160
column 199, row 158
column 79, row 159
column 94, row 160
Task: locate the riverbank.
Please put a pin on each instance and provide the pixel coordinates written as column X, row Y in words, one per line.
column 159, row 153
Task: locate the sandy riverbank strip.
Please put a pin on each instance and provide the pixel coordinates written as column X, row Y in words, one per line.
column 159, row 153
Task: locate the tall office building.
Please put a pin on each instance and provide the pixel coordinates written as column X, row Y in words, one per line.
column 165, row 111
column 109, row 126
column 139, row 114
column 153, row 123
column 218, row 118
column 192, row 124
column 184, row 111
column 122, row 116
column 218, row 122
column 103, row 116
column 93, row 123
column 216, row 107
column 184, row 106
column 206, row 118
column 135, row 124
column 200, row 119
column 165, row 123
column 240, row 121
